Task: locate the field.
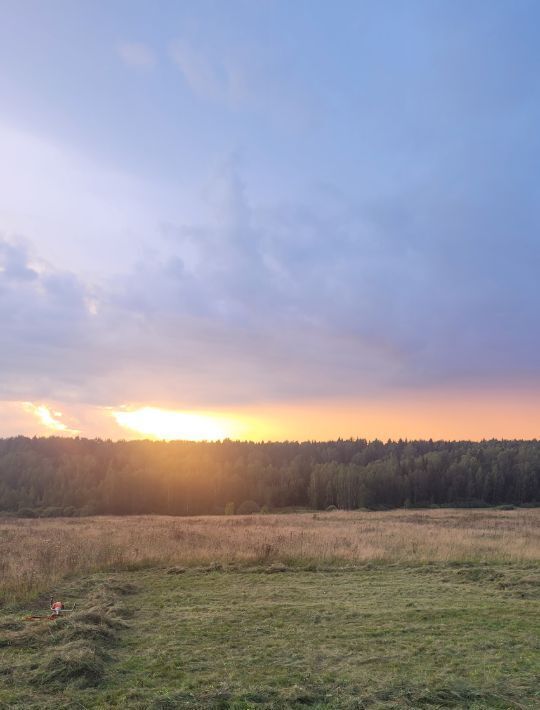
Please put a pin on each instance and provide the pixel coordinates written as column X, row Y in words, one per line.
column 406, row 609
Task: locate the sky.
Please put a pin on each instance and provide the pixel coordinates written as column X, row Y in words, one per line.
column 270, row 220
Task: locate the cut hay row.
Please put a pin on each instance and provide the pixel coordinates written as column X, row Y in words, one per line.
column 73, row 649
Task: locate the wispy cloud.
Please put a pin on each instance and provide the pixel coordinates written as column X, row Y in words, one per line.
column 208, row 76
column 51, row 420
column 242, row 77
column 136, row 55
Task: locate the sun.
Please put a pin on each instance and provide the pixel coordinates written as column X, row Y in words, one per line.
column 156, row 423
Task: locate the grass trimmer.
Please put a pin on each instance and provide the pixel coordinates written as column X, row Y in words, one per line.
column 57, row 608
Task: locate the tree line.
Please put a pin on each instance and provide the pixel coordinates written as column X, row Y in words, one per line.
column 62, row 476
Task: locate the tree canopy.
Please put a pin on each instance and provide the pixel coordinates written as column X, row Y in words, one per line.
column 62, row 476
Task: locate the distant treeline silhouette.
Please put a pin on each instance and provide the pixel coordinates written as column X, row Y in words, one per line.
column 60, row 476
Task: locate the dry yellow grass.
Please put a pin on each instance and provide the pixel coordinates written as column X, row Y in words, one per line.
column 36, row 554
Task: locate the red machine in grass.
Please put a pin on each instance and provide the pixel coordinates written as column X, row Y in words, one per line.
column 57, row 608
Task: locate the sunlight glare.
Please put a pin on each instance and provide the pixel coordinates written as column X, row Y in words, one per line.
column 156, row 423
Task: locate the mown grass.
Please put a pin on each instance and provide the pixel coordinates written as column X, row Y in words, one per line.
column 377, row 635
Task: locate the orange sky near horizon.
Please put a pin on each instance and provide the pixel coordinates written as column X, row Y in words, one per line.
column 436, row 415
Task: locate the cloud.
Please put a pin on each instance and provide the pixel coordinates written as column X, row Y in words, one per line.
column 244, row 77
column 13, row 263
column 212, row 75
column 56, row 419
column 288, row 301
column 429, row 283
column 231, row 324
column 136, row 55
column 49, row 419
column 62, row 201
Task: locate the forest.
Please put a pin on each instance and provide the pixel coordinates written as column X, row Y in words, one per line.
column 58, row 476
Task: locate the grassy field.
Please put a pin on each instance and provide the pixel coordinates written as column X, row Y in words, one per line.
column 455, row 623
column 36, row 554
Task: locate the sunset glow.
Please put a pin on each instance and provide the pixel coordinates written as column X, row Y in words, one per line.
column 50, row 420
column 156, row 423
column 436, row 415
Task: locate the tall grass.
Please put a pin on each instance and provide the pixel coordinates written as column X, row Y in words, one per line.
column 36, row 554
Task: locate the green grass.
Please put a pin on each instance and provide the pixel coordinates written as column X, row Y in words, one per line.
column 382, row 636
